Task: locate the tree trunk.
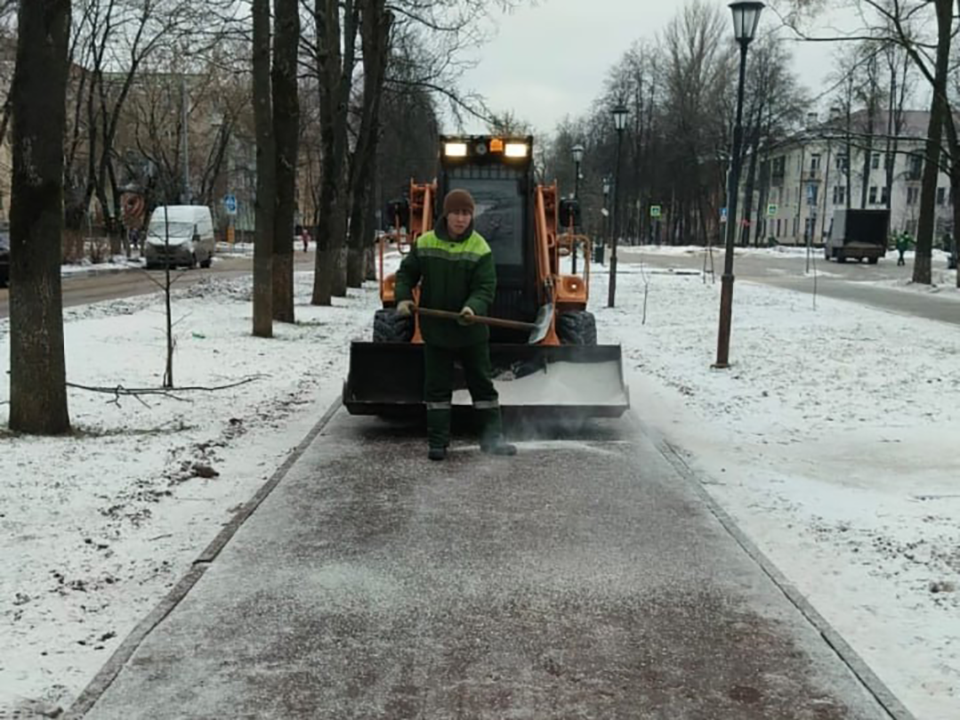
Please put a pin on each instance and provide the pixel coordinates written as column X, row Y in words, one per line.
column 749, row 188
column 955, row 193
column 38, row 392
column 375, row 38
column 867, row 161
column 931, row 168
column 266, row 167
column 355, row 269
column 286, row 127
column 370, row 263
column 340, row 267
column 335, row 70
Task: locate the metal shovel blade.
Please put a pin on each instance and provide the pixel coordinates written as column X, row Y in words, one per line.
column 541, row 326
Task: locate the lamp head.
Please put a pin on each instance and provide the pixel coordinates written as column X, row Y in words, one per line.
column 746, row 17
column 620, row 112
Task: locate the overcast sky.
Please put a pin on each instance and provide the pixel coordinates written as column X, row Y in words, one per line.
column 551, row 60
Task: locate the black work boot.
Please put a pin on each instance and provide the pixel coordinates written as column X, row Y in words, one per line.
column 497, row 446
column 437, row 453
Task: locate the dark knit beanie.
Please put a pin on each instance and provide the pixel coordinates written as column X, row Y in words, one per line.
column 458, row 200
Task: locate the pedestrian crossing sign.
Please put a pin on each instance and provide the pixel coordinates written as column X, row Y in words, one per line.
column 771, row 209
column 655, row 211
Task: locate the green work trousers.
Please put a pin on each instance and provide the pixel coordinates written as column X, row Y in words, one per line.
column 438, row 390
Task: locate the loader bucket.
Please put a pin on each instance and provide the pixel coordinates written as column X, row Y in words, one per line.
column 550, row 381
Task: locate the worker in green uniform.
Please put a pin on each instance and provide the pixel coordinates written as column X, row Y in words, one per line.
column 456, row 272
column 904, row 241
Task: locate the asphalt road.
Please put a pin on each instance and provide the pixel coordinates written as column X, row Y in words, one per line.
column 846, row 281
column 80, row 289
column 585, row 578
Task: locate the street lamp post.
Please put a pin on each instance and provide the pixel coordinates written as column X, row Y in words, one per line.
column 577, row 159
column 619, row 113
column 746, row 16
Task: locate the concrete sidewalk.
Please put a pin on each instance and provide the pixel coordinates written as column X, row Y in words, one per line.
column 583, row 578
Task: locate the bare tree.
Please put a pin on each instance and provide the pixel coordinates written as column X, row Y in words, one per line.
column 38, row 394
column 375, row 41
column 699, row 73
column 335, row 78
column 776, row 105
column 286, row 129
column 266, row 169
column 905, row 23
column 114, row 42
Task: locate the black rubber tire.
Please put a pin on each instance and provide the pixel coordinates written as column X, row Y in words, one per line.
column 873, row 261
column 826, row 254
column 577, row 328
column 388, row 326
column 206, row 263
column 841, row 258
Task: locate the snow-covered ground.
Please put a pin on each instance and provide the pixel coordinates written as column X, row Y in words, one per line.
column 95, row 528
column 943, row 280
column 112, row 264
column 831, row 440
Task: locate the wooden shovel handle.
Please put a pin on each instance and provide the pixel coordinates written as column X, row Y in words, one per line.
column 495, row 322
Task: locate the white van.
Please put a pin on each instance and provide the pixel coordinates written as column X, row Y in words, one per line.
column 186, row 230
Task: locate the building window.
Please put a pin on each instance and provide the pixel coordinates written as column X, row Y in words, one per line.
column 815, row 162
column 812, row 193
column 913, row 194
column 914, row 167
column 779, row 168
column 838, row 194
column 875, row 161
column 884, row 195
column 842, row 162
column 873, row 195
column 778, row 227
column 941, row 195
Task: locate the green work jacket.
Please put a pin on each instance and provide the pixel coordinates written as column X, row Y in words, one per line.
column 452, row 274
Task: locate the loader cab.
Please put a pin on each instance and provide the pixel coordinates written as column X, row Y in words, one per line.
column 498, row 173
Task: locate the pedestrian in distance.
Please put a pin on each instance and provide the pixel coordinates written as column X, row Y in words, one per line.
column 305, row 237
column 455, row 269
column 903, row 244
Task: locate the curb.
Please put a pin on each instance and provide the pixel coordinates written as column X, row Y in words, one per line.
column 100, row 269
column 111, row 669
column 867, row 678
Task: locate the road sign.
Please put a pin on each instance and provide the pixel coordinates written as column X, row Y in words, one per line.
column 723, row 215
column 655, row 211
column 230, row 204
column 771, row 209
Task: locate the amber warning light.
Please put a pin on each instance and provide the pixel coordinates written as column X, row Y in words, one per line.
column 496, row 145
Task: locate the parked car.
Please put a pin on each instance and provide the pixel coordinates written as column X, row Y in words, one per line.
column 180, row 235
column 4, row 256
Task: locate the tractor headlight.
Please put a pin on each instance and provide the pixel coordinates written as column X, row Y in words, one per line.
column 517, row 150
column 455, row 149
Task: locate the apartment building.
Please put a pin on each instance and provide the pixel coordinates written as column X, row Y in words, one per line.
column 803, row 180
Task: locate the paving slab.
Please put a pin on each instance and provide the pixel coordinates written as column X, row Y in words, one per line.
column 584, row 578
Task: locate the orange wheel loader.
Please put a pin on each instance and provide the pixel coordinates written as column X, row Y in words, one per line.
column 565, row 374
